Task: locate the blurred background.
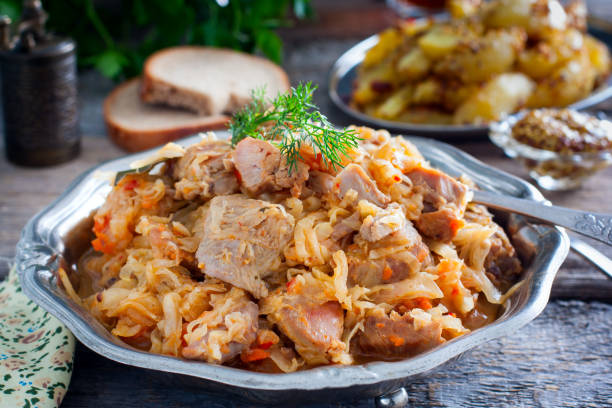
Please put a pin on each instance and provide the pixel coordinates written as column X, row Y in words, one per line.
column 114, row 37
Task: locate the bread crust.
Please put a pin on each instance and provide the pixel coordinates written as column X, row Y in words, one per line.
column 134, row 140
column 153, row 87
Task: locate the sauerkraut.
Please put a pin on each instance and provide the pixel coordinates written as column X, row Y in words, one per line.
column 222, row 256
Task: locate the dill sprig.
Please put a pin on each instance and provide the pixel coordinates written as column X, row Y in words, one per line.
column 290, row 121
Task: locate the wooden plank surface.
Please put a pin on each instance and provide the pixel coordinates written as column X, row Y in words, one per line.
column 560, row 359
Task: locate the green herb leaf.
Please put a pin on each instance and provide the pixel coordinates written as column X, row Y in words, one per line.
column 140, row 12
column 270, row 44
column 10, row 8
column 110, row 63
column 117, row 37
column 290, row 121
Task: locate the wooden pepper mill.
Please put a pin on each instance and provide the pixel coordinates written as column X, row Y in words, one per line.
column 39, row 91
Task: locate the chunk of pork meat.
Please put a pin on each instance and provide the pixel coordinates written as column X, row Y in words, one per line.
column 370, row 266
column 256, row 161
column 222, row 333
column 502, row 263
column 438, row 188
column 242, row 240
column 353, row 177
column 261, row 168
column 169, row 240
column 444, row 202
column 396, row 336
column 385, row 222
column 314, row 327
column 294, row 179
column 441, row 225
column 346, row 226
column 205, row 171
column 320, row 183
column 310, row 316
column 134, row 195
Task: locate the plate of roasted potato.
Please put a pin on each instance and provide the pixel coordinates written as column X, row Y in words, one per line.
column 454, row 75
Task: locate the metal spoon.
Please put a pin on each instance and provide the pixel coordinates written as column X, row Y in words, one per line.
column 599, row 260
column 593, row 225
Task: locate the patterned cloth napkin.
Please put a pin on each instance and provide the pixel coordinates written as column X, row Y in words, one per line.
column 36, row 351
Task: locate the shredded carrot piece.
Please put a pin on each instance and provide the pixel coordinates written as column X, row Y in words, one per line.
column 456, row 225
column 183, row 333
column 396, row 340
column 420, row 302
column 445, row 265
column 266, row 345
column 293, row 286
column 103, row 244
column 131, row 185
column 254, row 355
column 387, row 273
column 425, row 303
column 100, row 224
column 238, row 176
column 148, row 204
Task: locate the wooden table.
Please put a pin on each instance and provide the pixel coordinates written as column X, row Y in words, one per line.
column 563, row 358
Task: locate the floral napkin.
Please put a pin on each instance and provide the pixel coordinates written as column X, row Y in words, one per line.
column 36, row 351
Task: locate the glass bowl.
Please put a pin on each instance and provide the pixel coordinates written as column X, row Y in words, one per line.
column 551, row 170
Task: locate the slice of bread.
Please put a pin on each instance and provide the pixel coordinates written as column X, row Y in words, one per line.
column 136, row 126
column 207, row 80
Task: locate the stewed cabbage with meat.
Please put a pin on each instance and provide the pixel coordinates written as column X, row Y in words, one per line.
column 229, row 256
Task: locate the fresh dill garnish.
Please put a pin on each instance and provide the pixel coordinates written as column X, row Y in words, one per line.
column 290, row 121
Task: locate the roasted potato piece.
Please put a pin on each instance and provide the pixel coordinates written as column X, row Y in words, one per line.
column 428, row 92
column 480, row 59
column 388, row 41
column 456, row 92
column 569, row 83
column 413, row 65
column 538, row 17
column 374, row 83
column 538, row 61
column 463, row 8
column 411, row 28
column 541, row 60
column 395, row 104
column 492, row 57
column 501, row 95
column 439, row 41
column 599, row 55
column 576, row 11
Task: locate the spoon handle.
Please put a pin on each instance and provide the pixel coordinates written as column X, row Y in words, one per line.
column 599, row 260
column 594, row 225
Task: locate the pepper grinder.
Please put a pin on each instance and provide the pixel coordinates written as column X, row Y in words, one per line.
column 39, row 91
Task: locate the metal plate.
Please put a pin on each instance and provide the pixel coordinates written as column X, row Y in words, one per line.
column 344, row 73
column 60, row 233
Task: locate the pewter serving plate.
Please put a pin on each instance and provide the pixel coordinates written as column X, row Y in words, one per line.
column 60, row 233
column 344, row 73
